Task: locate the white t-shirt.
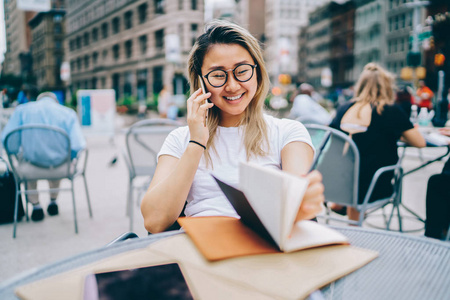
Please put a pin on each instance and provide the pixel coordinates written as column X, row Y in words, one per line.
column 205, row 198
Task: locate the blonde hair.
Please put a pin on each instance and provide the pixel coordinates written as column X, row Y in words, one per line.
column 223, row 32
column 375, row 86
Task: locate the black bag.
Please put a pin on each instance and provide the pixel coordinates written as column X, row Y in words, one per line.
column 8, row 195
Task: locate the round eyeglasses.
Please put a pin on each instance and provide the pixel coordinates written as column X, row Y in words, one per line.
column 242, row 73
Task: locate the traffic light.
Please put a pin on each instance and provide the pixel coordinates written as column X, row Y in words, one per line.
column 413, row 59
column 439, row 59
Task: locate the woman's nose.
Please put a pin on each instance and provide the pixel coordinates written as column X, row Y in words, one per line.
column 232, row 84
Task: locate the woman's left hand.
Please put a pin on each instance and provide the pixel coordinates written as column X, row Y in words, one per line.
column 313, row 199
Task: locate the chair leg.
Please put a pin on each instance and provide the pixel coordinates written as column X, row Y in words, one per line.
column 16, row 210
column 26, row 201
column 74, row 207
column 130, row 196
column 399, row 216
column 87, row 195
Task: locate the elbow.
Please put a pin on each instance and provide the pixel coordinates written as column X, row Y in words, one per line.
column 153, row 226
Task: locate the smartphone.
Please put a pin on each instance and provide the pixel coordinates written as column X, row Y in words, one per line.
column 204, row 91
column 155, row 282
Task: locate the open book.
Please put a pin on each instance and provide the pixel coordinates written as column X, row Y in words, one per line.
column 267, row 201
column 275, row 197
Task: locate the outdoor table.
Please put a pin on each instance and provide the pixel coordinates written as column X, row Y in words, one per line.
column 408, row 267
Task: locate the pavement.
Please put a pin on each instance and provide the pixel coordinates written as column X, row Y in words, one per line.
column 53, row 239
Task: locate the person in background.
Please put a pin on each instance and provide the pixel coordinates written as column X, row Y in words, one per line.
column 375, row 125
column 230, row 62
column 425, row 96
column 438, row 201
column 404, row 99
column 22, row 96
column 46, row 110
column 164, row 100
column 306, row 110
column 4, row 100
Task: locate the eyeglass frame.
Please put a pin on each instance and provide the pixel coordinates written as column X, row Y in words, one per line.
column 234, row 75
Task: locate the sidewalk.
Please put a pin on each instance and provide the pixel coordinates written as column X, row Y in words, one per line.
column 54, row 238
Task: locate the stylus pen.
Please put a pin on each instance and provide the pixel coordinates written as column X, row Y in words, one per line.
column 319, row 152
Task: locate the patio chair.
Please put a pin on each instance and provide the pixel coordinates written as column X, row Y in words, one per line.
column 143, row 141
column 339, row 165
column 53, row 163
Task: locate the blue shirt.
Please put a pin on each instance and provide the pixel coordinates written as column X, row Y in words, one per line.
column 48, row 112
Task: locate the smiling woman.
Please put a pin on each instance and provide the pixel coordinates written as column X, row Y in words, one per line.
column 229, row 61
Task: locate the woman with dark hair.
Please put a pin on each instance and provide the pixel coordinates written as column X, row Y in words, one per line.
column 229, row 60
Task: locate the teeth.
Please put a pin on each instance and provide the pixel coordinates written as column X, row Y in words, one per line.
column 234, row 98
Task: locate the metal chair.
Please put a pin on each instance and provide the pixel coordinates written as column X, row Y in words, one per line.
column 143, row 141
column 42, row 152
column 339, row 165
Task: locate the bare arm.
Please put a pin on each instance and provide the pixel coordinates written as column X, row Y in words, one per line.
column 414, row 138
column 165, row 197
column 296, row 158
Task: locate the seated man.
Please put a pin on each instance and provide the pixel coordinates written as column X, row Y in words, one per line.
column 46, row 110
column 306, row 109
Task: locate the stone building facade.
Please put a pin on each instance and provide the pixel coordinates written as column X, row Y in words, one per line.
column 123, row 44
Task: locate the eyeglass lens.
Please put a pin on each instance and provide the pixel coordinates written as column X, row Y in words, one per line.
column 242, row 73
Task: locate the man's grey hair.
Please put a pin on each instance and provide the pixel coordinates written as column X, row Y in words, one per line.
column 47, row 95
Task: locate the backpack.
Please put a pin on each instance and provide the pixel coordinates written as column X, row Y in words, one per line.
column 8, row 195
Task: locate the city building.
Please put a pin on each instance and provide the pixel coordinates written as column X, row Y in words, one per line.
column 399, row 27
column 47, row 49
column 18, row 40
column 342, row 44
column 318, row 45
column 283, row 22
column 133, row 47
column 370, row 34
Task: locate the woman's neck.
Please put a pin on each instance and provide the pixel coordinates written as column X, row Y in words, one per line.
column 230, row 120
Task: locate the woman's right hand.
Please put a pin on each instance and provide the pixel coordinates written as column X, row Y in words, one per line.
column 196, row 116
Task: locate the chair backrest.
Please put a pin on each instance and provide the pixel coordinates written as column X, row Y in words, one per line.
column 339, row 164
column 144, row 140
column 39, row 151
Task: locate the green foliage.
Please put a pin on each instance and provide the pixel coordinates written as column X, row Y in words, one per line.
column 127, row 100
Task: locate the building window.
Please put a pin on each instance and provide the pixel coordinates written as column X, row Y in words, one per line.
column 181, row 35
column 86, row 39
column 129, row 48
column 194, row 28
column 160, row 6
column 105, row 54
column 157, row 79
column 58, row 44
column 159, row 39
column 180, row 4
column 94, row 34
column 142, row 11
column 78, row 42
column 94, row 58
column 116, row 51
column 79, row 63
column 105, row 30
column 128, row 19
column 115, row 25
column 57, row 27
column 86, row 62
column 194, row 4
column 143, row 44
column 71, row 45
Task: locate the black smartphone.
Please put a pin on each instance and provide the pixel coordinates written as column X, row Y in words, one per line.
column 155, row 282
